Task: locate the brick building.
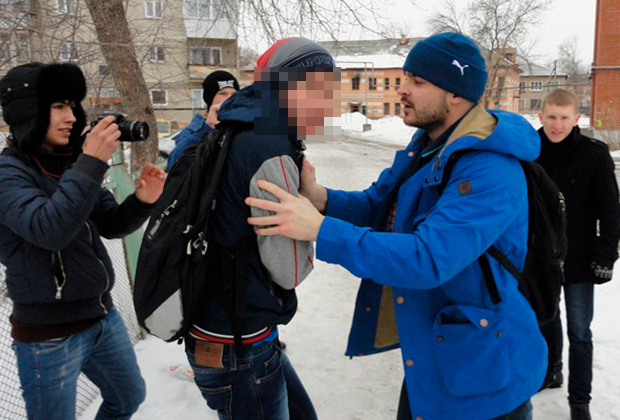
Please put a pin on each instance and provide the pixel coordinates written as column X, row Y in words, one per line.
column 605, row 115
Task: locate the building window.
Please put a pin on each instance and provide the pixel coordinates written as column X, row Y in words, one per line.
column 534, row 104
column 397, row 83
column 157, row 55
column 554, row 84
column 202, row 9
column 355, row 83
column 69, row 51
column 387, row 83
column 206, row 56
column 397, row 107
column 104, row 70
column 537, row 86
column 386, row 108
column 521, row 104
column 521, row 87
column 153, row 9
column 159, row 97
column 197, row 102
column 372, row 83
column 66, row 7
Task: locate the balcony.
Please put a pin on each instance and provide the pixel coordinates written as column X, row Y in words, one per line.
column 197, row 73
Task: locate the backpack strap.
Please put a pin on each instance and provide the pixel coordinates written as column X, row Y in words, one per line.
column 493, row 251
column 489, row 280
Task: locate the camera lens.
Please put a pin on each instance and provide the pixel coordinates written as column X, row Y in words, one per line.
column 139, row 130
column 134, row 130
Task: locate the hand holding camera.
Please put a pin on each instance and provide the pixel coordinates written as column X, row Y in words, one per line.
column 103, row 139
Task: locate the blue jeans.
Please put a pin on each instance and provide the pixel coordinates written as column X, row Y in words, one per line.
column 522, row 412
column 579, row 300
column 261, row 384
column 49, row 370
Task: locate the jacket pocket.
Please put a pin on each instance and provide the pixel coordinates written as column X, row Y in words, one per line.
column 471, row 354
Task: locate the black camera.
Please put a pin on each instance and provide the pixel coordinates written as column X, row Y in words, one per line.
column 130, row 130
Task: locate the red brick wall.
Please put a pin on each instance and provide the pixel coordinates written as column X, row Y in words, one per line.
column 606, row 82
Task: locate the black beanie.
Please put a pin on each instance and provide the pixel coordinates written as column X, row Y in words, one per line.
column 215, row 82
column 26, row 93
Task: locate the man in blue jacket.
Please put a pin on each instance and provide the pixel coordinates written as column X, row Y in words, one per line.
column 417, row 250
column 216, row 88
column 53, row 213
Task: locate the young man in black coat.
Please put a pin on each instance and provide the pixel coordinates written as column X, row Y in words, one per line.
column 584, row 171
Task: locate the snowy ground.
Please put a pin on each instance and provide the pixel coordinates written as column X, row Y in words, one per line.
column 364, row 388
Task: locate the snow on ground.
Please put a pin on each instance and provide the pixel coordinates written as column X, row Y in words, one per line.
column 365, row 388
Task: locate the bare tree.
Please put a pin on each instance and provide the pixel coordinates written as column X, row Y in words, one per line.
column 82, row 31
column 496, row 25
column 568, row 60
column 247, row 57
column 117, row 48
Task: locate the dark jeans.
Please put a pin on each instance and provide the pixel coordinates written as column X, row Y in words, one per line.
column 523, row 412
column 49, row 370
column 579, row 300
column 260, row 385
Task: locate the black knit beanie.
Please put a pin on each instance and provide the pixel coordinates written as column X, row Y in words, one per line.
column 215, row 82
column 26, row 93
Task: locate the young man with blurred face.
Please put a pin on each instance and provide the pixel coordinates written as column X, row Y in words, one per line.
column 53, row 215
column 233, row 342
column 421, row 253
column 584, row 171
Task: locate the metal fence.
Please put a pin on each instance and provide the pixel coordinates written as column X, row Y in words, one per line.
column 11, row 402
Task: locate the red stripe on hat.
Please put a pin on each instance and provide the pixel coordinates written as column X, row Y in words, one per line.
column 263, row 60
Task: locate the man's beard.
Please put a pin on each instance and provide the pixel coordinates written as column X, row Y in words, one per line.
column 429, row 118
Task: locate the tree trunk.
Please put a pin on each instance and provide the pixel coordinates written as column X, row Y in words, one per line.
column 117, row 48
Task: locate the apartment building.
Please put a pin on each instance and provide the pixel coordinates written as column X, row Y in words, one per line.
column 534, row 82
column 177, row 43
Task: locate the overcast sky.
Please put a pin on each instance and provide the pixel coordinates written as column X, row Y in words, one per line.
column 564, row 19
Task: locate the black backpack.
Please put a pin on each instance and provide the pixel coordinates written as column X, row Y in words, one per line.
column 543, row 273
column 171, row 276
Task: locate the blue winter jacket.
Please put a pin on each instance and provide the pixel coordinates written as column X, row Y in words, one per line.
column 464, row 357
column 189, row 136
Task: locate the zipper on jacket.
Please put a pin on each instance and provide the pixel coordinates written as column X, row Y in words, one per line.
column 59, row 285
column 165, row 213
column 107, row 276
column 107, row 284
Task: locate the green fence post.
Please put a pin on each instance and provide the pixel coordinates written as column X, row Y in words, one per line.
column 122, row 183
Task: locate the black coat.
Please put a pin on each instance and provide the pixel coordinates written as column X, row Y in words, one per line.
column 584, row 171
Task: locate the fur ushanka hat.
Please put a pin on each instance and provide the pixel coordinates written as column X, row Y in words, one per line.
column 26, row 93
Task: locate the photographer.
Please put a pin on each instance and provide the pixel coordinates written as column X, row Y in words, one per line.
column 53, row 211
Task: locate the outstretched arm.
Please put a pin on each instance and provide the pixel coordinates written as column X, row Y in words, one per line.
column 295, row 217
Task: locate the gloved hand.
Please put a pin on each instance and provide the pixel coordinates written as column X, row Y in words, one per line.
column 601, row 274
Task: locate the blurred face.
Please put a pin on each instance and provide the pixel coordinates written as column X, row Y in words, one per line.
column 61, row 123
column 309, row 101
column 558, row 121
column 222, row 95
column 424, row 104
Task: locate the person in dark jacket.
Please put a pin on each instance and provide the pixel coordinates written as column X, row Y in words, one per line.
column 53, row 213
column 216, row 88
column 256, row 379
column 584, row 171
